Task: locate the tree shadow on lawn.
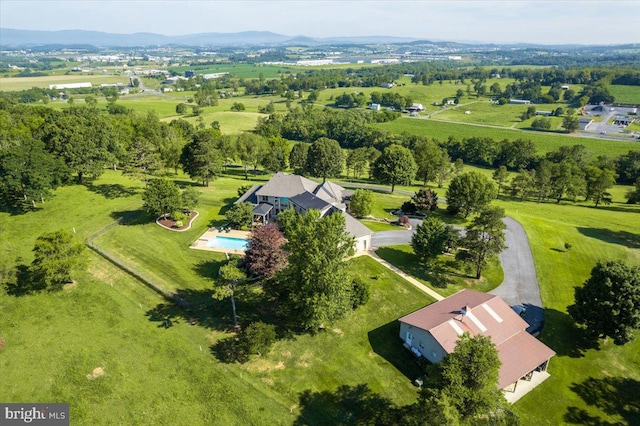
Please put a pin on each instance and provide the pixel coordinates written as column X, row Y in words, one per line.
column 385, row 341
column 347, row 405
column 563, row 336
column 111, row 190
column 133, row 217
column 439, row 274
column 203, row 310
column 623, row 238
column 615, row 396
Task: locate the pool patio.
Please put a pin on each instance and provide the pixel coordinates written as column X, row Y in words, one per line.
column 201, row 243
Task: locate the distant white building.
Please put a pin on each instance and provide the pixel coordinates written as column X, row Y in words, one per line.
column 519, row 101
column 374, row 107
column 214, row 75
column 62, row 86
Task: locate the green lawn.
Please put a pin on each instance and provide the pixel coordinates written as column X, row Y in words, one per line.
column 544, row 141
column 111, row 321
column 625, row 94
column 446, row 276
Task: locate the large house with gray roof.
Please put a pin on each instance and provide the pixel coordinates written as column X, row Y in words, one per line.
column 285, row 191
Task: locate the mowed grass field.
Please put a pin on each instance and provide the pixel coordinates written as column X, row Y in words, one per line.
column 625, row 94
column 108, row 355
column 11, row 84
column 545, row 142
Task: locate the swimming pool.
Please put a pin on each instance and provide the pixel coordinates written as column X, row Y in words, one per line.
column 228, row 243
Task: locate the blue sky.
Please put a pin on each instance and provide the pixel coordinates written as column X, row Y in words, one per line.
column 548, row 22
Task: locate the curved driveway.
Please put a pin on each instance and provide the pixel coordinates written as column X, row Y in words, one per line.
column 520, row 284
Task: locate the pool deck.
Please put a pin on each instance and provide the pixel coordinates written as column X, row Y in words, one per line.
column 201, row 243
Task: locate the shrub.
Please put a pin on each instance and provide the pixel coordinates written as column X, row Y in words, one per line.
column 409, row 207
column 403, row 220
column 361, row 292
column 257, row 338
column 179, row 224
column 567, row 246
column 178, row 216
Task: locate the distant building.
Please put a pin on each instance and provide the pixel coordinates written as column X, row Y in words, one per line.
column 450, row 102
column 70, row 86
column 519, row 101
column 584, row 123
column 387, row 85
column 189, row 73
column 214, row 75
column 621, row 120
column 544, row 113
column 374, row 107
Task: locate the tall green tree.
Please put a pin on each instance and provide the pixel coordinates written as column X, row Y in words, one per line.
column 240, row 215
column 275, row 159
column 431, row 239
column 28, row 173
column 395, row 166
column 250, row 149
column 315, row 286
column 298, row 157
column 427, row 154
column 567, row 179
column 570, row 123
column 325, row 158
column 443, row 169
column 56, row 256
column 190, row 198
column 229, row 276
column 500, row 177
column 161, row 197
column 470, row 192
column 598, row 181
column 357, row 160
column 200, row 158
column 467, row 381
column 361, row 202
column 484, row 238
column 608, row 303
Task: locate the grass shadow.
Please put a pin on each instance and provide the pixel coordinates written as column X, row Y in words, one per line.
column 112, row 190
column 616, row 396
column 347, row 405
column 624, row 238
column 385, row 341
column 564, row 336
column 132, row 217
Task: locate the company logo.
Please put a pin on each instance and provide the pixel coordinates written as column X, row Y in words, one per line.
column 38, row 414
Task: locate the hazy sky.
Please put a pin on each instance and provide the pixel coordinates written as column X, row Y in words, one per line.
column 550, row 22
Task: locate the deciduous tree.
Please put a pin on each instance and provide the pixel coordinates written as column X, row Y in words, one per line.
column 316, row 284
column 425, row 200
column 431, row 239
column 500, row 176
column 608, row 303
column 240, row 215
column 470, row 192
column 325, row 158
column 361, row 202
column 484, row 238
column 229, row 276
column 201, row 159
column 598, row 180
column 395, row 166
column 56, row 256
column 265, row 255
column 161, row 197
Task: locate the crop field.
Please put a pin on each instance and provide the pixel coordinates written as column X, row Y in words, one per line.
column 625, row 94
column 10, row 84
column 544, row 141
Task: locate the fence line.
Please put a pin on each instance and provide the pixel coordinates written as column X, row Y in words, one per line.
column 136, row 273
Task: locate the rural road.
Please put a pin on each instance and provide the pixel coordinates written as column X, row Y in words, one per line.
column 520, row 284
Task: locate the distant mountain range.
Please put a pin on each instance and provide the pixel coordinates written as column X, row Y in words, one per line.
column 29, row 38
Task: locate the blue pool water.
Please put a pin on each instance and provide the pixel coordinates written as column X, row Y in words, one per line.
column 228, row 243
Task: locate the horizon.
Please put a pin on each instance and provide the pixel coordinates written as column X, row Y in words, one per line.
column 499, row 22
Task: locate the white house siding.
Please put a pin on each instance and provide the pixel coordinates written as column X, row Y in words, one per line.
column 362, row 243
column 424, row 342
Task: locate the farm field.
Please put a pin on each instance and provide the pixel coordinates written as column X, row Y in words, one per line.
column 625, row 94
column 10, row 84
column 238, row 70
column 544, row 141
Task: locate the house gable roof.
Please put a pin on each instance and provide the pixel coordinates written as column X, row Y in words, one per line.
column 480, row 313
column 308, row 201
column 286, row 185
